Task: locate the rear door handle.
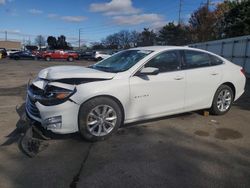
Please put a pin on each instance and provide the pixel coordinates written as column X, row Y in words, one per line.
column 178, row 78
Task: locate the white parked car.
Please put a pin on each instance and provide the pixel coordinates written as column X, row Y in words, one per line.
column 100, row 55
column 12, row 51
column 132, row 85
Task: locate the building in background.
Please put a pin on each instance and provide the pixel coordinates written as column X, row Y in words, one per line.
column 15, row 45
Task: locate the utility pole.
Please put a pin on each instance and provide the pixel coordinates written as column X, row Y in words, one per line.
column 80, row 30
column 180, row 7
column 207, row 4
column 6, row 35
column 79, row 39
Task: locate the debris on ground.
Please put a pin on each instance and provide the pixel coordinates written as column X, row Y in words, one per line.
column 31, row 145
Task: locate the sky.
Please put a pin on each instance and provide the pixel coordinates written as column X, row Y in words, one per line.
column 25, row 19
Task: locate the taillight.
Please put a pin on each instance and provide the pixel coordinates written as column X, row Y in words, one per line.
column 243, row 71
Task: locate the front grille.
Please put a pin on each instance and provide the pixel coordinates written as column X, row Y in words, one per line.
column 31, row 108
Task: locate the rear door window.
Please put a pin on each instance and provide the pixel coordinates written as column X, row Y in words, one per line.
column 196, row 59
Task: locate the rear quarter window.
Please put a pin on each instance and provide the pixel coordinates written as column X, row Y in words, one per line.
column 215, row 60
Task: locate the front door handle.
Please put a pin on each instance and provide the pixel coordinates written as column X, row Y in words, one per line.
column 179, row 78
column 214, row 73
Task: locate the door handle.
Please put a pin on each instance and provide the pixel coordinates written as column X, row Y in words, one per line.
column 214, row 73
column 178, row 78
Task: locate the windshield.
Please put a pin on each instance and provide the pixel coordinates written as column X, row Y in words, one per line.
column 121, row 61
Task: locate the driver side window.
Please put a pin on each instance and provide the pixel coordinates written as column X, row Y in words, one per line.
column 165, row 62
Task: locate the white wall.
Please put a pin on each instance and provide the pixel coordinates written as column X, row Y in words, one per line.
column 235, row 49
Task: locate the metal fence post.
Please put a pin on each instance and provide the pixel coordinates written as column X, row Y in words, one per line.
column 222, row 48
column 245, row 54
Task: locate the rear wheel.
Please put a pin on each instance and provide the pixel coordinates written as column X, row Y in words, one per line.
column 222, row 101
column 99, row 118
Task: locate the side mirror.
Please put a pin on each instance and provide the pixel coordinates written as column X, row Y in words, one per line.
column 148, row 71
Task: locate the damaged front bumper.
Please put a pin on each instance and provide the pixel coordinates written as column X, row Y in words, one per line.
column 61, row 118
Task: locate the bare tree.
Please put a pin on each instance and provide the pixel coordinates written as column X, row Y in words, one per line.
column 40, row 41
column 134, row 38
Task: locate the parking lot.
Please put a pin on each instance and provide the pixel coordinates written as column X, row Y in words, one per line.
column 186, row 150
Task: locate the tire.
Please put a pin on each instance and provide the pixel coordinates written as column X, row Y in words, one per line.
column 222, row 101
column 102, row 129
column 47, row 58
column 16, row 57
column 70, row 59
column 99, row 59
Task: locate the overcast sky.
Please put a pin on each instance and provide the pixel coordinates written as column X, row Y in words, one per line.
column 25, row 19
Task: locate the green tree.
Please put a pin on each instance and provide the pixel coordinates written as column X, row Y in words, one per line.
column 147, row 37
column 52, row 42
column 59, row 43
column 172, row 34
column 236, row 21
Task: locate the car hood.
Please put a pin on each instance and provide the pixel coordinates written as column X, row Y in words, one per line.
column 65, row 72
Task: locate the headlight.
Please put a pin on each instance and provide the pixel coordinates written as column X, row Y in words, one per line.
column 55, row 95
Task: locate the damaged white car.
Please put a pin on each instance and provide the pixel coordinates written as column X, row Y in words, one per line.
column 132, row 85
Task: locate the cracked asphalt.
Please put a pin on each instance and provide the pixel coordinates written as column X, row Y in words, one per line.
column 186, row 150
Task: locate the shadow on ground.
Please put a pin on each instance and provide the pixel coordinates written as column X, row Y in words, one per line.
column 40, row 135
column 244, row 101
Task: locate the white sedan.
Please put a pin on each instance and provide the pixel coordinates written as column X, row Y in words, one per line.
column 132, row 85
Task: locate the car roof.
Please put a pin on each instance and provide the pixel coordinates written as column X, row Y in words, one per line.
column 162, row 48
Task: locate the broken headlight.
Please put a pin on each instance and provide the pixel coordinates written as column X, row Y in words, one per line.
column 55, row 95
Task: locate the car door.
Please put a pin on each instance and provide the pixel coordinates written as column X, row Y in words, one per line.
column 28, row 55
column 161, row 94
column 202, row 79
column 23, row 55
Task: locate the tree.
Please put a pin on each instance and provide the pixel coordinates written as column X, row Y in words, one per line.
column 52, row 42
column 147, row 37
column 219, row 12
column 124, row 38
column 61, row 43
column 134, row 38
column 172, row 34
column 236, row 21
column 202, row 24
column 97, row 46
column 40, row 41
column 112, row 41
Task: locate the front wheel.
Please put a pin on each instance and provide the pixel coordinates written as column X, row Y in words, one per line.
column 222, row 101
column 47, row 58
column 70, row 59
column 99, row 58
column 99, row 118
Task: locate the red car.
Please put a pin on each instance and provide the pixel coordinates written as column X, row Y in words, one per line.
column 59, row 54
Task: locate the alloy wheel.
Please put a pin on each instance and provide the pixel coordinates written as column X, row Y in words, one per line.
column 101, row 120
column 224, row 100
